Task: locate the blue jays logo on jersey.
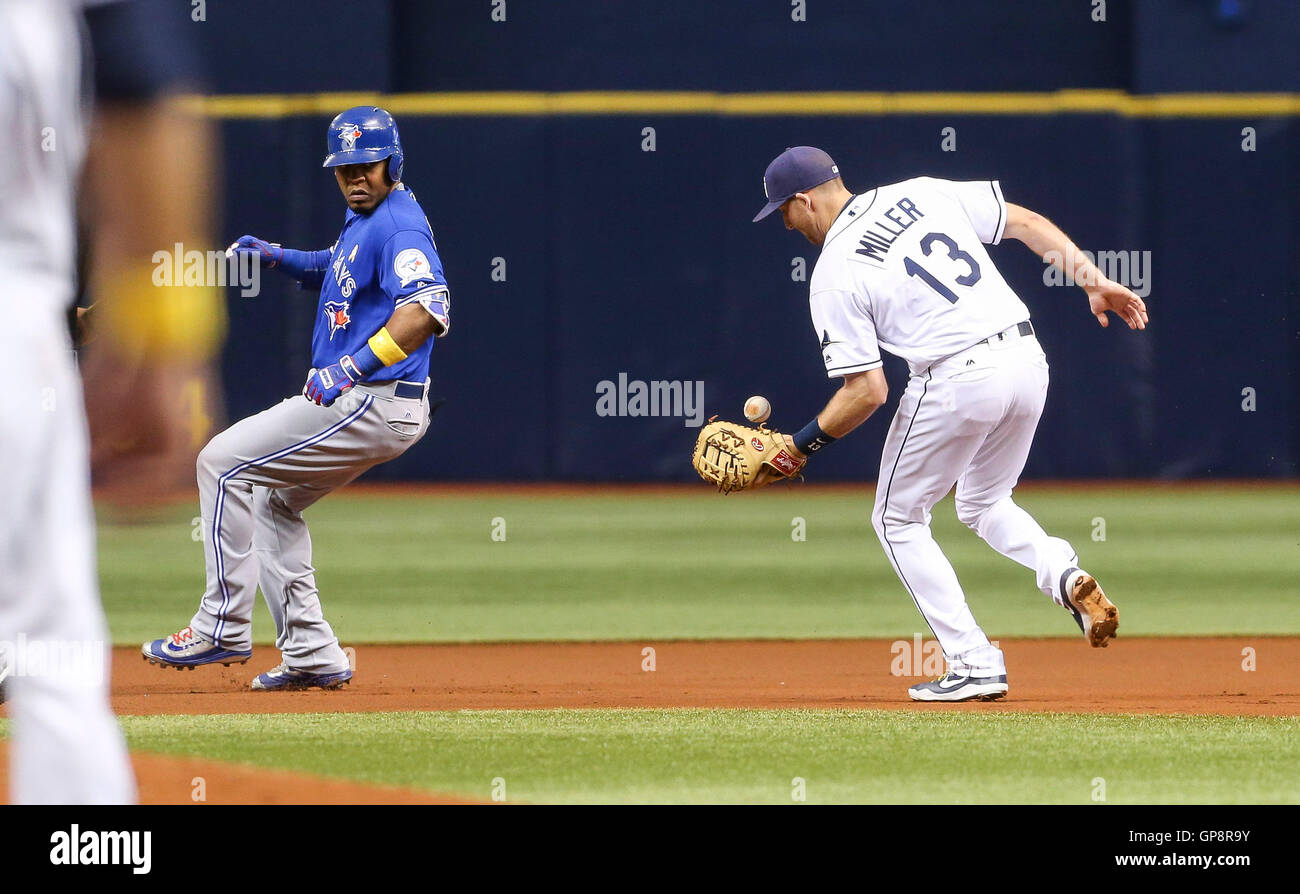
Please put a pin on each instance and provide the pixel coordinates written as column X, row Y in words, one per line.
column 348, row 135
column 337, row 316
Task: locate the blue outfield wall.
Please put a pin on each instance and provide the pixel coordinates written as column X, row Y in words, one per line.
column 645, row 263
column 619, row 260
column 394, row 46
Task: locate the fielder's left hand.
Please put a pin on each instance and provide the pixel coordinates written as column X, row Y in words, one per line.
column 767, row 475
column 324, row 386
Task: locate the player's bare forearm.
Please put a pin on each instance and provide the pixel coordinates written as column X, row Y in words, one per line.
column 412, row 326
column 151, row 392
column 861, row 395
column 179, row 147
column 1050, row 243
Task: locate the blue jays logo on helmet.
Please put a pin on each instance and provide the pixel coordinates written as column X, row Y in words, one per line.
column 348, row 134
column 361, row 135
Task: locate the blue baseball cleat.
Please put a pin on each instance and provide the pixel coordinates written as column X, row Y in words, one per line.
column 185, row 648
column 284, row 677
column 954, row 687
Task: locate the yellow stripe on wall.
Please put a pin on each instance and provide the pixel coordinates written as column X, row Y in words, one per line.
column 1106, row 102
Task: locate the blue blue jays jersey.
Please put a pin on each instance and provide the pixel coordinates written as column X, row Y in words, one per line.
column 382, row 261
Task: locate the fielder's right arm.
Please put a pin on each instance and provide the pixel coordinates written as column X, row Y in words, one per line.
column 1042, row 236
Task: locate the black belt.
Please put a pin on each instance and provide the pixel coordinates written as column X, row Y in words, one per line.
column 1025, row 328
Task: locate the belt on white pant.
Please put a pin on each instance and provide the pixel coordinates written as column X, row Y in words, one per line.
column 1020, row 330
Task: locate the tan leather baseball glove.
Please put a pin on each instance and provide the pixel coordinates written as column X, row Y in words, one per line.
column 736, row 457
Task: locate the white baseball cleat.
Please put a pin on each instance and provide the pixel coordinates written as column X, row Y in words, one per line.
column 958, row 687
column 1096, row 615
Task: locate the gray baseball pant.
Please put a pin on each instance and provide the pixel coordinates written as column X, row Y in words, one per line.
column 255, row 480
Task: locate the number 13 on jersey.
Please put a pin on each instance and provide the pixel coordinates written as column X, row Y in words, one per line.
column 969, row 278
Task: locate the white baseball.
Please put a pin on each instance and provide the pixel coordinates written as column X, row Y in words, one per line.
column 757, row 409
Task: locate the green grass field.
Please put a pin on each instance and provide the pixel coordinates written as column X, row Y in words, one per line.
column 748, row 756
column 693, row 565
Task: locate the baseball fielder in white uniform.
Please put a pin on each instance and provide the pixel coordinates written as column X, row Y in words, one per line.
column 65, row 746
column 142, row 191
column 903, row 269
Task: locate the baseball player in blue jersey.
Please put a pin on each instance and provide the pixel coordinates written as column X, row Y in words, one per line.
column 383, row 296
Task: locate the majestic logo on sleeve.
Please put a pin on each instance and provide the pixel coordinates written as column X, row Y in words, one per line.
column 348, row 136
column 410, row 265
column 337, row 316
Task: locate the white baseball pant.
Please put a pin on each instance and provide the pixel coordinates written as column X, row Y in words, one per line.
column 65, row 747
column 967, row 420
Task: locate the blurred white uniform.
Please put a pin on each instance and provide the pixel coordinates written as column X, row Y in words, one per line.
column 903, row 269
column 66, row 746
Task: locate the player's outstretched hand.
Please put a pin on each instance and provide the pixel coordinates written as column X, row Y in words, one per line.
column 1107, row 295
column 269, row 252
column 324, row 386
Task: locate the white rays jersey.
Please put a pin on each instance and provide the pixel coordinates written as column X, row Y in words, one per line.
column 41, row 107
column 65, row 746
column 903, row 269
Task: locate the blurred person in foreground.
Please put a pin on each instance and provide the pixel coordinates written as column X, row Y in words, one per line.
column 146, row 167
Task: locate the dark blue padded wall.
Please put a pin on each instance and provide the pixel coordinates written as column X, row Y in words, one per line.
column 645, row 263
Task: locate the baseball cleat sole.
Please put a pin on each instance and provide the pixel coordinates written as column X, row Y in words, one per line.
column 950, row 688
column 286, row 679
column 161, row 663
column 301, row 687
column 191, row 667
column 1102, row 615
column 989, row 696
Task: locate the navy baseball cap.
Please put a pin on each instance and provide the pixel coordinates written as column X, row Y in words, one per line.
column 795, row 170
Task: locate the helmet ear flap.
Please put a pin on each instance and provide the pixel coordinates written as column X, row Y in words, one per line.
column 395, row 166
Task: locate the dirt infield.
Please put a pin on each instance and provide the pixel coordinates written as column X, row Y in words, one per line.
column 174, row 780
column 1176, row 675
column 1158, row 675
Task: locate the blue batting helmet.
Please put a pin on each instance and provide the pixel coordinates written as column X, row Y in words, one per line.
column 364, row 134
